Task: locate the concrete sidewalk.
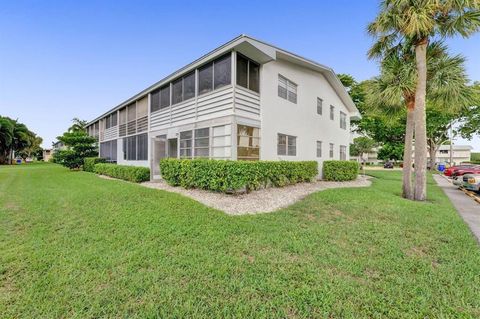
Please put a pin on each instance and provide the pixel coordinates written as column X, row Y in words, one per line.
column 466, row 206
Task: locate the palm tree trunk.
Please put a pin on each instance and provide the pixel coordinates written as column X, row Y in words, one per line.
column 420, row 122
column 407, row 191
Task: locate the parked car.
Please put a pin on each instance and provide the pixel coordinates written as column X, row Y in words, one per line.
column 466, row 170
column 458, row 181
column 388, row 165
column 449, row 171
column 471, row 182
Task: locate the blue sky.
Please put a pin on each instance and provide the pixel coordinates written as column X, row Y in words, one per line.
column 65, row 59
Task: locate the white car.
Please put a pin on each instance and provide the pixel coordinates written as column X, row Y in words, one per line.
column 458, row 181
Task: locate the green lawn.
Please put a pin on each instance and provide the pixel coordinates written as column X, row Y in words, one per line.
column 73, row 245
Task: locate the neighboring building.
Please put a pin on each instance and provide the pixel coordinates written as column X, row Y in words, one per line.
column 57, row 146
column 47, row 154
column 460, row 154
column 244, row 100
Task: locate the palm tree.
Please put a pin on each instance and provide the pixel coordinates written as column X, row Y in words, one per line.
column 394, row 90
column 6, row 138
column 417, row 22
column 78, row 125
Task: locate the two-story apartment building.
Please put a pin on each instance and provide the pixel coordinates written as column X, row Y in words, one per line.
column 245, row 100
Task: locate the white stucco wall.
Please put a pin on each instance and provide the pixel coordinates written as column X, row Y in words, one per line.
column 301, row 120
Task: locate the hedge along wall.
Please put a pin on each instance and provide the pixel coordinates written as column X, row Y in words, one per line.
column 231, row 176
column 340, row 170
column 89, row 163
column 134, row 174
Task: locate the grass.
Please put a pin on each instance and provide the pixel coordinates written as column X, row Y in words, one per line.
column 74, row 245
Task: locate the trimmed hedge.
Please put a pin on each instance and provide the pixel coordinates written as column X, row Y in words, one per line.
column 340, row 170
column 89, row 163
column 134, row 174
column 232, row 176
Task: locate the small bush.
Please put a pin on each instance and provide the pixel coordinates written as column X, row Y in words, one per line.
column 134, row 174
column 228, row 176
column 340, row 170
column 89, row 163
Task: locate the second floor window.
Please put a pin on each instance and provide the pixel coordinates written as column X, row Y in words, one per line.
column 248, row 73
column 319, row 106
column 215, row 75
column 286, row 145
column 111, row 120
column 287, row 89
column 343, row 120
column 332, row 112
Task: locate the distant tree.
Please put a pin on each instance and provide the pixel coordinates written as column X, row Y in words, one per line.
column 391, row 151
column 362, row 145
column 33, row 148
column 14, row 138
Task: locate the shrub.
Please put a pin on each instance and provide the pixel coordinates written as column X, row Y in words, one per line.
column 227, row 176
column 89, row 163
column 340, row 170
column 134, row 174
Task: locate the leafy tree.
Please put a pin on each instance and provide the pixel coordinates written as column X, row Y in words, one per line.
column 470, row 122
column 415, row 23
column 33, row 148
column 362, row 145
column 79, row 145
column 14, row 138
column 78, row 125
column 391, row 151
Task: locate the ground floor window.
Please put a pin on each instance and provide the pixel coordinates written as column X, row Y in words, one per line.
column 343, row 152
column 331, row 150
column 286, row 145
column 319, row 148
column 186, row 144
column 222, row 142
column 135, row 148
column 248, row 142
column 202, row 142
column 108, row 150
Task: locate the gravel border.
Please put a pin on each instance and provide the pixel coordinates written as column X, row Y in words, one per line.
column 261, row 201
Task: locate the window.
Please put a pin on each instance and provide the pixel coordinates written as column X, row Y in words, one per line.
column 165, row 96
column 331, row 150
column 319, row 106
column 287, row 89
column 222, row 71
column 343, row 120
column 248, row 142
column 155, row 100
column 332, row 112
column 343, row 153
column 248, row 73
column 215, row 75
column 286, row 145
column 111, row 120
column 135, row 148
column 319, row 149
column 131, row 119
column 108, row 150
column 189, row 86
column 177, row 91
column 123, row 122
column 443, row 151
column 186, row 144
column 202, row 142
column 221, row 141
column 205, row 80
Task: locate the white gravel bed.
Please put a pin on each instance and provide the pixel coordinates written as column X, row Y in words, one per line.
column 261, row 201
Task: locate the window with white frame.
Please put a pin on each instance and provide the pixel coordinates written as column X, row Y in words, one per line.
column 319, row 148
column 286, row 145
column 202, row 142
column 287, row 89
column 186, row 144
column 108, row 150
column 343, row 153
column 331, row 150
column 319, row 106
column 332, row 112
column 222, row 142
column 343, row 120
column 248, row 143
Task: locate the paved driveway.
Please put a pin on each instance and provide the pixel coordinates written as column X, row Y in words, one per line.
column 466, row 206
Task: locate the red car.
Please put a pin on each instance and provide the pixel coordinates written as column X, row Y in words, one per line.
column 449, row 171
column 466, row 170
